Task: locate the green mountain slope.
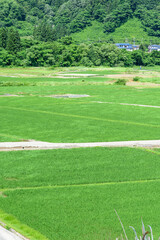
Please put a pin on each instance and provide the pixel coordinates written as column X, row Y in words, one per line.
column 73, row 16
column 90, row 33
column 131, row 31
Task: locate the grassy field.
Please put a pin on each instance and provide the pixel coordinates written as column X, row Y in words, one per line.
column 71, row 194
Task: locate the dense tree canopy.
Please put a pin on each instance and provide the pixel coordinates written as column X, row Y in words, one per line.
column 69, row 16
column 64, row 52
column 44, row 32
column 50, row 22
column 10, row 11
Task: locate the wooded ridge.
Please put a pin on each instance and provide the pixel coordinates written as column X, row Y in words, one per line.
column 63, row 17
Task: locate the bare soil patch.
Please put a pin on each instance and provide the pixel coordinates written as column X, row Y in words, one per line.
column 11, row 179
column 142, row 84
column 62, row 76
column 126, row 76
column 3, row 195
column 68, row 96
column 79, row 74
column 9, row 95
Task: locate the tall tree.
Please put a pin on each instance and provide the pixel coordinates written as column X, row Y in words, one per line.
column 3, row 37
column 13, row 41
column 44, row 32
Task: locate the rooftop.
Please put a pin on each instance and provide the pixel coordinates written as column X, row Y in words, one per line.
column 124, row 44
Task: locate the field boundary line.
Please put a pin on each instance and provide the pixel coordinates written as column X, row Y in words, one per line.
column 85, row 117
column 149, row 150
column 81, row 185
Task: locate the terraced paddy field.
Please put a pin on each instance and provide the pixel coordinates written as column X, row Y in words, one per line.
column 72, row 193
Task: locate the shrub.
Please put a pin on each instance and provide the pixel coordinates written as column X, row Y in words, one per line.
column 121, row 82
column 136, row 79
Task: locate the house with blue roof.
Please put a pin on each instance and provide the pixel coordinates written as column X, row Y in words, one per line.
column 127, row 46
column 135, row 47
column 154, row 48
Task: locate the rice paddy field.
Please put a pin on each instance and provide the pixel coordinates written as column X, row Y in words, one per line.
column 71, row 194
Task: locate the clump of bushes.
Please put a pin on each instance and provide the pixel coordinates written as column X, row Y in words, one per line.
column 136, row 79
column 121, row 82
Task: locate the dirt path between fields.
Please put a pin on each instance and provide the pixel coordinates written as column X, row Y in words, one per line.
column 142, row 84
column 131, row 75
column 37, row 145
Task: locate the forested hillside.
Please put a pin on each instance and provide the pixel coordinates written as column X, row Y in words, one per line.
column 52, row 19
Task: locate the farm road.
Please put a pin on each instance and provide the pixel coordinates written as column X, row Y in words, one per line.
column 37, row 145
column 7, row 235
